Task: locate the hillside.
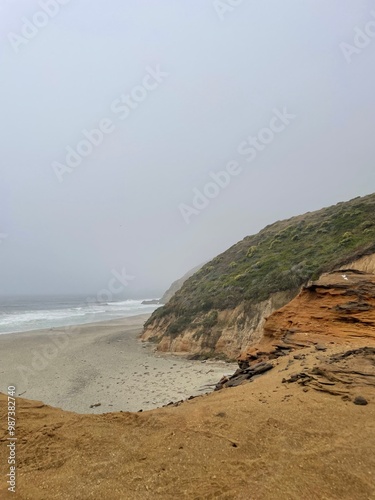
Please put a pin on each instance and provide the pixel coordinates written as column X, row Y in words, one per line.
column 177, row 285
column 221, row 308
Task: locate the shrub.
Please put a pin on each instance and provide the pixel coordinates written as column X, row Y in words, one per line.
column 210, row 320
column 251, row 251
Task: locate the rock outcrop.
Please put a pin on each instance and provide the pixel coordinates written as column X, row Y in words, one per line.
column 342, row 375
column 365, row 264
column 338, row 308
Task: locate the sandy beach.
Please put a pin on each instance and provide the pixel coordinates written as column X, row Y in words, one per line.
column 102, row 364
column 265, row 440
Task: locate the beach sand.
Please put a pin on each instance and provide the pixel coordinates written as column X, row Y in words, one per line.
column 74, row 368
column 264, row 440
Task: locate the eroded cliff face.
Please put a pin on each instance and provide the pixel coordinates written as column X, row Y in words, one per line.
column 235, row 330
column 339, row 308
column 339, row 304
column 365, row 264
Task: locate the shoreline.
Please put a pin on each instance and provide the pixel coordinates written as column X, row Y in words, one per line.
column 101, row 367
column 105, row 322
column 73, row 325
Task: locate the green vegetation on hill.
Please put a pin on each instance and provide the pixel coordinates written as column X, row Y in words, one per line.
column 176, row 285
column 281, row 257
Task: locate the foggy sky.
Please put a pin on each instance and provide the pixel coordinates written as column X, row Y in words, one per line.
column 228, row 71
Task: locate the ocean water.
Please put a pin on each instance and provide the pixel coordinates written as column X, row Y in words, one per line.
column 20, row 314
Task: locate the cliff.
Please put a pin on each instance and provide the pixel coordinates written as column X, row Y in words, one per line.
column 339, row 306
column 339, row 309
column 221, row 309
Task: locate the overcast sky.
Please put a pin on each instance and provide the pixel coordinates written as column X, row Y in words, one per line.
column 179, row 88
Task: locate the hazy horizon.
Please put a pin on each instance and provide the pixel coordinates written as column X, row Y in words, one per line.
column 142, row 139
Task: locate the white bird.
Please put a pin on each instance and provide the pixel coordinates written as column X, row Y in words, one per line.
column 345, row 277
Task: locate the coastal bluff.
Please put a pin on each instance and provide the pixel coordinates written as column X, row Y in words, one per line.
column 221, row 310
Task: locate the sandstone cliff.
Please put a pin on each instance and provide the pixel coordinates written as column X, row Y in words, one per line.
column 339, row 305
column 233, row 331
column 339, row 308
column 365, row 264
column 221, row 309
